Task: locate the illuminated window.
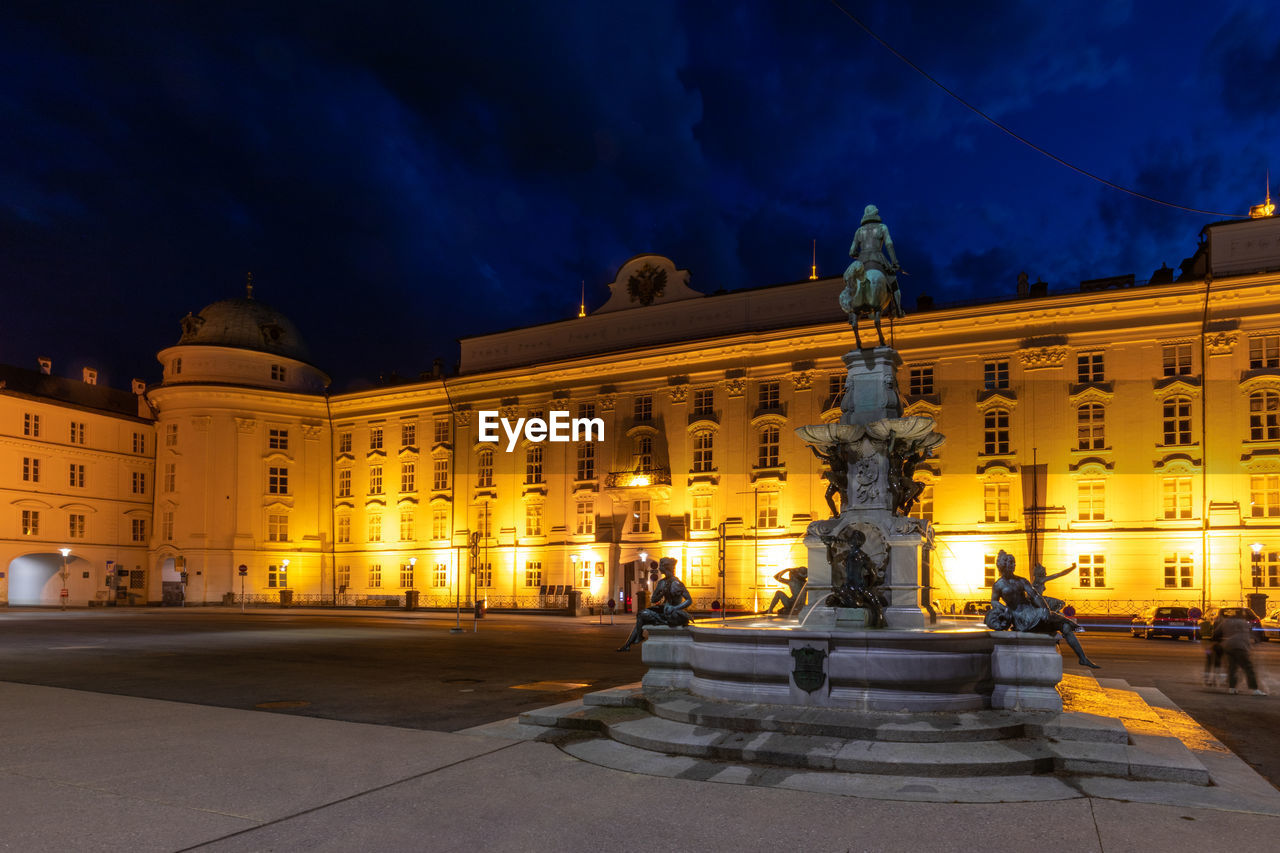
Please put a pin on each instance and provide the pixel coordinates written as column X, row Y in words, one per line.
column 278, row 439
column 375, row 575
column 277, row 372
column 703, row 451
column 139, row 443
column 533, row 519
column 586, row 518
column 704, row 401
column 408, row 477
column 1092, row 569
column 835, row 390
column 1091, row 500
column 484, row 469
column 166, row 525
column 766, row 509
column 75, row 526
column 1264, row 351
column 1264, row 416
column 995, row 435
column 77, row 432
column 1176, row 359
column 1177, row 421
column 31, row 522
column 170, row 436
column 769, row 397
column 344, row 442
column 406, row 576
column 995, row 375
column 343, row 577
column 586, row 462
column 440, row 473
column 1089, row 367
column 1089, row 427
column 1264, row 496
column 643, row 407
column 344, row 528
column 31, row 425
column 484, row 575
column 700, row 513
column 170, row 476
column 533, row 464
column 1266, row 571
column 30, row 469
column 440, row 575
column 406, row 526
column 484, row 521
column 138, row 527
column 441, row 431
column 277, row 577
column 439, row 523
column 139, row 482
column 1176, row 493
column 278, row 481
column 533, row 574
column 585, row 573
column 344, row 483
column 375, row 527
column 640, row 517
column 408, row 435
column 642, row 455
column 277, row 528
column 988, row 569
column 924, row 503
column 375, row 438
column 1178, row 569
column 995, row 502
column 375, row 479
column 767, row 450
column 698, row 572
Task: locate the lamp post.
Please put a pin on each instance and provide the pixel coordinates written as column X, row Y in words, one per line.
column 1256, row 547
column 62, row 593
column 573, row 570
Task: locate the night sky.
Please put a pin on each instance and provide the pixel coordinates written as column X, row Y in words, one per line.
column 399, row 175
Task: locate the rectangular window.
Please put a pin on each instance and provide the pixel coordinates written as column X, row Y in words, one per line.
column 1176, row 492
column 533, row 465
column 139, row 481
column 137, row 579
column 277, row 481
column 1266, row 570
column 1089, row 427
column 177, row 366
column 699, row 571
column 407, row 477
column 170, row 476
column 767, row 451
column 1089, row 367
column 643, row 407
column 1091, row 500
column 441, row 427
column 920, row 380
column 835, row 391
column 406, row 526
column 166, row 525
column 278, row 439
column 77, row 432
column 1177, row 420
column 277, row 528
column 769, row 395
column 171, row 435
column 375, row 575
column 31, row 425
column 766, row 509
column 533, row 519
column 1264, row 416
column 703, row 451
column 375, row 438
column 344, row 529
column 484, row 575
column 995, row 502
column 440, row 576
column 988, row 569
column 75, row 526
column 484, row 521
column 700, row 513
column 1264, row 351
column 995, row 436
column 995, row 375
column 640, row 517
column 375, row 479
column 30, row 469
column 439, row 523
column 408, row 435
column 31, row 522
column 586, row 518
column 1264, row 496
column 1176, row 359
column 924, row 508
column 75, row 478
column 344, row 483
column 344, row 442
column 139, row 529
column 585, row 575
column 343, row 578
column 406, row 576
column 1178, row 570
column 704, row 403
column 533, row 574
column 375, row 527
column 139, row 442
column 586, row 410
column 277, row 577
column 440, row 473
column 277, row 372
column 1092, row 569
column 586, row 462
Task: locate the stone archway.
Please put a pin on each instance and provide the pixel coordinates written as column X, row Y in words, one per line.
column 172, row 590
column 36, row 579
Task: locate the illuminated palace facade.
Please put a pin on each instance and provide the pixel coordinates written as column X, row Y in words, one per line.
column 1136, row 426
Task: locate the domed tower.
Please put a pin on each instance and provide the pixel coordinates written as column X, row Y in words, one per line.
column 243, row 457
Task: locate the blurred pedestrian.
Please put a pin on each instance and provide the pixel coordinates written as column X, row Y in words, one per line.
column 1237, row 643
column 1212, row 639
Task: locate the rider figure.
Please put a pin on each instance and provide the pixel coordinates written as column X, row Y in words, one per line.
column 871, row 242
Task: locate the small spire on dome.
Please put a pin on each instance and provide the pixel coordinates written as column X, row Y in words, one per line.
column 1258, row 211
column 813, row 270
column 248, row 285
column 582, row 306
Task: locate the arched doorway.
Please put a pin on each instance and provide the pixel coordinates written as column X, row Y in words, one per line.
column 36, row 579
column 171, row 587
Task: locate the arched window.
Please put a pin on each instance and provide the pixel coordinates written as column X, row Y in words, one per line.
column 484, row 469
column 1264, row 416
column 1089, row 432
column 1177, row 420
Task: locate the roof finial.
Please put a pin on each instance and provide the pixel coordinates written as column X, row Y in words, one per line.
column 1266, row 208
column 248, row 285
column 582, row 306
column 813, row 270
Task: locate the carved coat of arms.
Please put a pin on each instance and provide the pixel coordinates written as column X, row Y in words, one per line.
column 646, row 284
column 808, row 672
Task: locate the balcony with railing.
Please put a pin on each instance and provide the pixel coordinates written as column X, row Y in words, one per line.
column 638, row 478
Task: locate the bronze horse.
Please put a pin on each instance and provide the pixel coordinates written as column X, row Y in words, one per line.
column 866, row 292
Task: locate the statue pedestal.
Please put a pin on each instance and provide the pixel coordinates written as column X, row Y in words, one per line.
column 871, row 388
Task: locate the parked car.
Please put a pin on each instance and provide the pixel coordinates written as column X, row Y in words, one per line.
column 1271, row 625
column 1243, row 612
column 976, row 608
column 1172, row 622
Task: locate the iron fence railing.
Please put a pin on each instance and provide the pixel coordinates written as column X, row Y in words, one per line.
column 1103, row 606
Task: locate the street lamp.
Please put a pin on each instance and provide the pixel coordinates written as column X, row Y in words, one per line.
column 1256, row 547
column 62, row 595
column 573, row 572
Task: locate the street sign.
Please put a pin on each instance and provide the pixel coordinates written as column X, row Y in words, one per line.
column 244, row 570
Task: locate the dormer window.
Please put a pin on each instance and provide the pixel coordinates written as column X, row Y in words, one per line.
column 277, row 372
